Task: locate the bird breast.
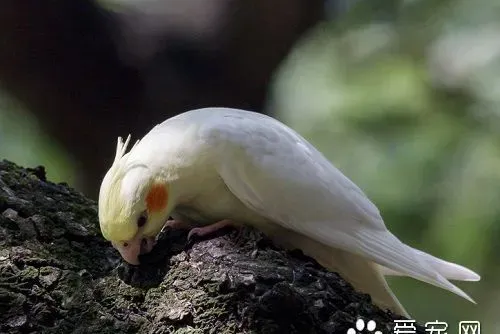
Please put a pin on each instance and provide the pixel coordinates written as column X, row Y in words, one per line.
column 214, row 202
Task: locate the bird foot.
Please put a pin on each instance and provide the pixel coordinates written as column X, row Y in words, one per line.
column 209, row 229
column 177, row 224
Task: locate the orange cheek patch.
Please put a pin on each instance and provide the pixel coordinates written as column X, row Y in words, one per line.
column 157, row 197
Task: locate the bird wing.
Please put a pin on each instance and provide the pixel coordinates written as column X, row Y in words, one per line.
column 278, row 174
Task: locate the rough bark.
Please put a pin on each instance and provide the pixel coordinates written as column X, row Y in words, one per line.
column 58, row 275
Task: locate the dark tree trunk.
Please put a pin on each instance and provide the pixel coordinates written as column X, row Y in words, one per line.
column 69, row 63
column 58, row 275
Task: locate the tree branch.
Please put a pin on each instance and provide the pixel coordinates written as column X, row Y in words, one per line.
column 57, row 274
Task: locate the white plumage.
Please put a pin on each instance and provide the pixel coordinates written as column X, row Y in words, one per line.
column 225, row 163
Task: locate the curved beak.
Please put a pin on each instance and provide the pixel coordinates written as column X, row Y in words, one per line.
column 131, row 249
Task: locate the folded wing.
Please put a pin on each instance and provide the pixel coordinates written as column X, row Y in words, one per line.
column 275, row 172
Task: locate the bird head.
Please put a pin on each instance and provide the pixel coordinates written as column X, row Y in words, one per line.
column 133, row 204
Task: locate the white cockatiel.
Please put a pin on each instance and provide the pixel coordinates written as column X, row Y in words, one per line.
column 219, row 166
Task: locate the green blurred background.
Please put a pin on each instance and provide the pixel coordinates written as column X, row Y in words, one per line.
column 409, row 109
column 405, row 100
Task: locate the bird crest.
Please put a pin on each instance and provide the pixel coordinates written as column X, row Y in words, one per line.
column 113, row 209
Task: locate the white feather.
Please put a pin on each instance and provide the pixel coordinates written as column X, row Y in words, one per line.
column 226, row 162
column 277, row 173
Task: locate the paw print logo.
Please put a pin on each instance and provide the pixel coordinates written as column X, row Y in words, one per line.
column 360, row 327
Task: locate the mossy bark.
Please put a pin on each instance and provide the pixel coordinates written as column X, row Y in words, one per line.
column 58, row 275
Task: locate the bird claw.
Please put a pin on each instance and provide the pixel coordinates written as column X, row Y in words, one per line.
column 147, row 245
column 176, row 224
column 194, row 233
column 203, row 231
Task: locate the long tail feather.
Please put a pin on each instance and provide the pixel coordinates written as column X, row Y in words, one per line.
column 449, row 270
column 382, row 247
column 389, row 251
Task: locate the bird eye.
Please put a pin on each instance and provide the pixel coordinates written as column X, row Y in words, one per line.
column 143, row 218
